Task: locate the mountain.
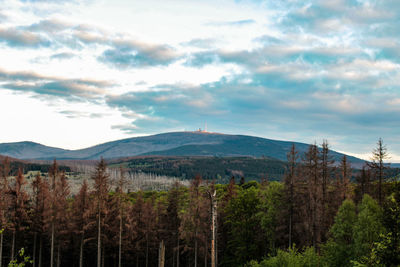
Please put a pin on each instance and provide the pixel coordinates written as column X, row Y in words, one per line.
column 168, row 144
column 29, row 150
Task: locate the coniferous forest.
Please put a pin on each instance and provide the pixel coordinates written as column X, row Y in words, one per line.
column 320, row 214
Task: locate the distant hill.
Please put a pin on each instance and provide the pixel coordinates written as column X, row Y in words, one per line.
column 29, row 150
column 168, row 144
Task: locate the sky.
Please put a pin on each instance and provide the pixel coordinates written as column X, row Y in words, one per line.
column 78, row 73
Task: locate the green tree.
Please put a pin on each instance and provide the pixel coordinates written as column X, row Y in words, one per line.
column 270, row 209
column 368, row 227
column 339, row 249
column 245, row 240
column 290, row 258
column 387, row 250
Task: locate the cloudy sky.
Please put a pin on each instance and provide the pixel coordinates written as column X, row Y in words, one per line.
column 78, row 73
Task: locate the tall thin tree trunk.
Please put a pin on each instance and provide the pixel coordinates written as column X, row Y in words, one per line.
column 195, row 252
column 147, row 250
column 34, row 250
column 13, row 246
column 81, row 252
column 40, row 250
column 291, row 212
column 58, row 254
column 161, row 254
column 1, row 248
column 205, row 253
column 120, row 242
column 99, row 242
column 213, row 228
column 173, row 258
column 103, row 257
column 52, row 245
column 177, row 253
column 290, row 230
column 380, row 184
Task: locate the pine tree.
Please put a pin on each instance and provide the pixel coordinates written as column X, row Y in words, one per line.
column 4, row 201
column 18, row 203
column 325, row 165
column 53, row 176
column 290, row 181
column 195, row 220
column 119, row 194
column 379, row 155
column 81, row 216
column 173, row 222
column 39, row 211
column 344, row 178
column 63, row 191
column 101, row 189
column 311, row 175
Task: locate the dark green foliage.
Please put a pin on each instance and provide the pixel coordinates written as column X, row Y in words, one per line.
column 245, row 241
column 368, row 226
column 291, row 258
column 208, row 167
column 339, row 249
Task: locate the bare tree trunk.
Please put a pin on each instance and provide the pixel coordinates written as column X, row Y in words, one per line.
column 81, row 252
column 195, row 251
column 13, row 246
column 290, row 229
column 99, row 242
column 120, row 242
column 40, row 250
column 173, row 257
column 58, row 254
column 103, row 257
column 213, row 227
column 177, row 253
column 52, row 245
column 147, row 250
column 216, row 236
column 34, row 250
column 205, row 253
column 161, row 254
column 1, row 248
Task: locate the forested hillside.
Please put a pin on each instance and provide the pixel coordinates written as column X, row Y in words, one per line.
column 315, row 217
column 219, row 168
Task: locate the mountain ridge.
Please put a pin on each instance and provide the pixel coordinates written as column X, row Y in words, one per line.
column 170, row 144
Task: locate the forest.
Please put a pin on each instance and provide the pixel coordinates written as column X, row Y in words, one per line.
column 316, row 216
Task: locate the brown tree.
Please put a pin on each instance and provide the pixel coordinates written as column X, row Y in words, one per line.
column 80, row 219
column 101, row 189
column 379, row 155
column 195, row 221
column 18, row 206
column 311, row 176
column 344, row 179
column 39, row 212
column 62, row 193
column 326, row 168
column 290, row 179
column 4, row 201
